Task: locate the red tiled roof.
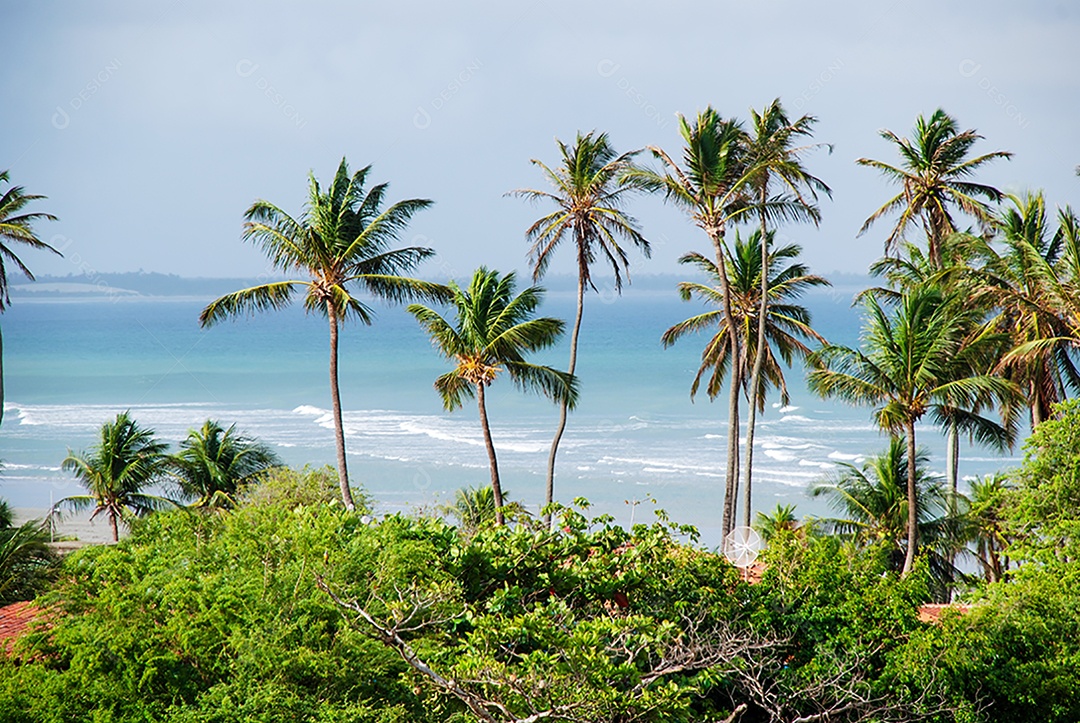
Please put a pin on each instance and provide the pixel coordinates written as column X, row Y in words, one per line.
column 14, row 620
column 932, row 613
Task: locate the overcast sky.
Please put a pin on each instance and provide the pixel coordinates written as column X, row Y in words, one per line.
column 151, row 127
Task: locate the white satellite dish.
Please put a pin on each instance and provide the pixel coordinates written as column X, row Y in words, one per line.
column 742, row 545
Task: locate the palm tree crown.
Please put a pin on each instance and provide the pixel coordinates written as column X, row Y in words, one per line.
column 342, row 241
column 16, row 225
column 935, row 174
column 117, row 471
column 494, row 331
column 214, row 461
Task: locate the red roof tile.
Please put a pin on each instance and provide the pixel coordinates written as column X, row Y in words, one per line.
column 932, row 613
column 14, row 620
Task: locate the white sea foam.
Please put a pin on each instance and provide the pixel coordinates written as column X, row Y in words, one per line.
column 779, row 456
column 796, row 418
column 843, row 456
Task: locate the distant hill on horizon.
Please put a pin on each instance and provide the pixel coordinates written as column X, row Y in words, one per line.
column 154, row 284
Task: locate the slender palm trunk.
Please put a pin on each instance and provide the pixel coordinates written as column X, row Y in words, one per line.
column 113, row 527
column 756, row 388
column 731, row 489
column 912, row 502
column 335, row 400
column 496, row 486
column 952, row 463
column 550, row 496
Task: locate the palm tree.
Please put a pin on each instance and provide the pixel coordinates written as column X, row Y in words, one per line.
column 960, row 274
column 778, row 164
column 493, row 332
column 590, row 186
column 787, row 327
column 117, row 471
column 782, row 519
column 16, row 226
column 713, row 187
column 474, row 508
column 25, row 557
column 341, row 241
column 1031, row 282
column 986, row 519
column 934, row 175
column 925, row 355
column 873, row 502
column 214, row 461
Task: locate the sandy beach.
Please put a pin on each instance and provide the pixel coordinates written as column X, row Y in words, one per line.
column 75, row 527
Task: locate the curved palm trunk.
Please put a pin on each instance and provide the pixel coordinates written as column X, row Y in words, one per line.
column 731, row 489
column 550, row 496
column 912, row 502
column 496, row 486
column 335, row 399
column 755, row 375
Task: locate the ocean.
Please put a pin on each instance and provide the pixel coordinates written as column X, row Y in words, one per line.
column 636, row 442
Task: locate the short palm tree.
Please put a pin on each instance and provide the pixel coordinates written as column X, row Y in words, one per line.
column 474, row 508
column 25, row 557
column 342, row 242
column 935, row 176
column 493, row 332
column 872, row 501
column 780, row 520
column 924, row 355
column 16, row 227
column 214, row 461
column 786, row 331
column 986, row 524
column 773, row 146
column 117, row 472
column 589, row 189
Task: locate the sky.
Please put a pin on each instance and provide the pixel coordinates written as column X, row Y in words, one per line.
column 152, row 126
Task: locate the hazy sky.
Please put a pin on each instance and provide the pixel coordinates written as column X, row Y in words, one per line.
column 151, row 127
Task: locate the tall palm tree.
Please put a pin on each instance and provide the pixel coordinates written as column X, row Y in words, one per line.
column 16, row 227
column 924, row 355
column 214, row 461
column 960, row 273
column 773, row 147
column 873, row 502
column 935, row 175
column 116, row 473
column 343, row 242
column 787, row 326
column 712, row 186
column 589, row 188
column 493, row 332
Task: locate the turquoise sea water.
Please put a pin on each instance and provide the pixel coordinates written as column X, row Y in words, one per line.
column 72, row 364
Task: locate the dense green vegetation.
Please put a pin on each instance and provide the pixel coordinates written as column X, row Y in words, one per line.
column 291, row 607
